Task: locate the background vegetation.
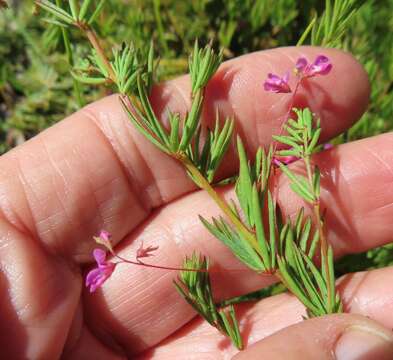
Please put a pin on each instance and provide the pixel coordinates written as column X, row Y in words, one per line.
column 36, row 88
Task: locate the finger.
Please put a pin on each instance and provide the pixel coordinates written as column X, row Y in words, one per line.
column 39, row 296
column 339, row 337
column 360, row 188
column 365, row 293
column 94, row 171
column 357, row 194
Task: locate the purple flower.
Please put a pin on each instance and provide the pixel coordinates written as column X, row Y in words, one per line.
column 321, row 66
column 96, row 277
column 277, row 84
column 328, row 146
column 105, row 235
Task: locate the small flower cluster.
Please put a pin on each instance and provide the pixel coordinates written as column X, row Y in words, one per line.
column 303, row 70
column 97, row 276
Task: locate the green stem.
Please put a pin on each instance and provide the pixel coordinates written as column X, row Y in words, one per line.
column 323, row 240
column 222, row 204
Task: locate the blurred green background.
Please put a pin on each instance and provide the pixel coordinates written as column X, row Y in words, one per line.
column 36, row 88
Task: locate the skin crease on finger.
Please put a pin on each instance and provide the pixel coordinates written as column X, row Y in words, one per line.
column 93, row 171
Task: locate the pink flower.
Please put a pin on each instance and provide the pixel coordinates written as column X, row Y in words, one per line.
column 145, row 252
column 321, row 66
column 277, row 84
column 328, row 146
column 96, row 277
column 286, row 160
column 105, row 235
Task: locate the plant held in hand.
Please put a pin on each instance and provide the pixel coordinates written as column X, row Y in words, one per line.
column 252, row 227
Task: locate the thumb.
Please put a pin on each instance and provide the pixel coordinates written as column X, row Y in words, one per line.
column 339, row 337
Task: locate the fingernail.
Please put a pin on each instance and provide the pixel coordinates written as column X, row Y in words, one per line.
column 360, row 342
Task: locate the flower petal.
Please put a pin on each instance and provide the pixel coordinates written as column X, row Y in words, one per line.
column 321, row 66
column 277, row 84
column 320, row 60
column 92, row 276
column 99, row 256
column 105, row 235
column 301, row 64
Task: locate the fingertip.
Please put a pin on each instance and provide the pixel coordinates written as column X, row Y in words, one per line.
column 338, row 336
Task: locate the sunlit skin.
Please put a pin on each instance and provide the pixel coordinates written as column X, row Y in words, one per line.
column 93, row 171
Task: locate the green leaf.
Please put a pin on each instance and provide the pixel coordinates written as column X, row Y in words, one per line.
column 88, row 80
column 305, row 235
column 158, row 129
column 264, row 174
column 259, row 228
column 332, row 283
column 174, row 120
column 96, row 12
column 239, row 246
column 313, row 245
column 283, row 235
column 219, row 147
column 318, row 278
column 295, row 124
column 125, row 67
column 192, row 121
column 258, row 161
column 304, row 194
column 236, row 330
column 203, row 64
column 55, row 22
column 299, row 222
column 231, row 326
column 288, row 141
column 307, row 281
column 84, row 8
column 141, row 128
column 244, row 183
column 272, row 228
column 195, row 287
column 289, row 152
column 74, row 9
column 296, row 134
column 299, row 185
column 56, row 11
column 317, row 181
column 293, row 285
column 307, row 31
column 314, row 141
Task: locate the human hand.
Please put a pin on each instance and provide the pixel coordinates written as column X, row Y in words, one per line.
column 93, row 171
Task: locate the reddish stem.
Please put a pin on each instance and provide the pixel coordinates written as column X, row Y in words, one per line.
column 288, row 113
column 141, row 263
